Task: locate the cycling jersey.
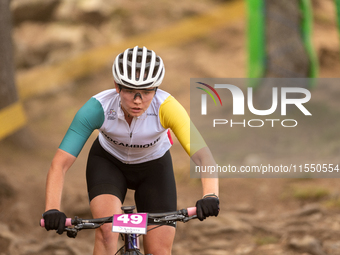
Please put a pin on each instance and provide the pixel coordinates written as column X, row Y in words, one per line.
column 144, row 140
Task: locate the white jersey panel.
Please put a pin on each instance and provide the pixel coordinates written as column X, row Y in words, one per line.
column 144, row 140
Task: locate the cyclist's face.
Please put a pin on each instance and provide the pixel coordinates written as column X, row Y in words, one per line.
column 135, row 101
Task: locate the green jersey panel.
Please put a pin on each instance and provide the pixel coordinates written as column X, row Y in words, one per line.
column 90, row 117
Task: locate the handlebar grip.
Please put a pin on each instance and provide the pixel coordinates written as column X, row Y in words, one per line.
column 68, row 222
column 191, row 211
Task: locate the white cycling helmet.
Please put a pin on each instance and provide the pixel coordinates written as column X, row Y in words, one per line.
column 138, row 68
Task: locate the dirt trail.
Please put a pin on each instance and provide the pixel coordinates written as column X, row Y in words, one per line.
column 258, row 216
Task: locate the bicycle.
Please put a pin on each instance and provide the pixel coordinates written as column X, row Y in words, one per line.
column 130, row 235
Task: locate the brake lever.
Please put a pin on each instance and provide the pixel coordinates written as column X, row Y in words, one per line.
column 186, row 219
column 87, row 226
column 72, row 232
column 169, row 218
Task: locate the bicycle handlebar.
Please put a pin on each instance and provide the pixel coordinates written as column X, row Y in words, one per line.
column 68, row 222
column 189, row 212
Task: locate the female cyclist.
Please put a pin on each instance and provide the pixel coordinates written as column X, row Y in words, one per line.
column 131, row 152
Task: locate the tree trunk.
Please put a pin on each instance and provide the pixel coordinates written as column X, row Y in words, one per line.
column 11, row 111
column 287, row 56
column 8, row 93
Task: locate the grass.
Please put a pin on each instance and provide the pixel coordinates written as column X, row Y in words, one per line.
column 332, row 203
column 310, row 193
column 263, row 240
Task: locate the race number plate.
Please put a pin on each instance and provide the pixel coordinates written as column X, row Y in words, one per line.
column 135, row 223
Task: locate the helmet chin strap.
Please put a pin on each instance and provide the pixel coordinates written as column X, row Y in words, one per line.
column 137, row 95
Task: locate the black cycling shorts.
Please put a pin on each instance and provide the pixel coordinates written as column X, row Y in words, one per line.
column 153, row 181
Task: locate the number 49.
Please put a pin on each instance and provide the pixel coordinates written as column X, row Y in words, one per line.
column 134, row 218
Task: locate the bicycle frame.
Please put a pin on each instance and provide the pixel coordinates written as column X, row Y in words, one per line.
column 131, row 244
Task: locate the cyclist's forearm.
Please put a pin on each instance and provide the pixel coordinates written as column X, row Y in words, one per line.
column 204, row 158
column 54, row 186
column 210, row 186
column 62, row 161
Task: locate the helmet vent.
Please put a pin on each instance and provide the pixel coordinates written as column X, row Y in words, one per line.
column 129, row 71
column 129, row 55
column 146, row 74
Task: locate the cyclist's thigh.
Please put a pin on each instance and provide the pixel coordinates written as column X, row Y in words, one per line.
column 105, row 205
column 157, row 191
column 103, row 175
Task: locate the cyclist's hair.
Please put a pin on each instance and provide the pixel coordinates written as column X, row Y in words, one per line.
column 138, row 68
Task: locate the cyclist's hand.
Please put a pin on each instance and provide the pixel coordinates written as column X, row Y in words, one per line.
column 55, row 219
column 205, row 207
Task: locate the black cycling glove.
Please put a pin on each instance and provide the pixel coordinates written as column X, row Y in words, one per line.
column 55, row 219
column 205, row 207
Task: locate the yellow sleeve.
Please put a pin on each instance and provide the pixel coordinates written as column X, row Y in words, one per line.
column 173, row 115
